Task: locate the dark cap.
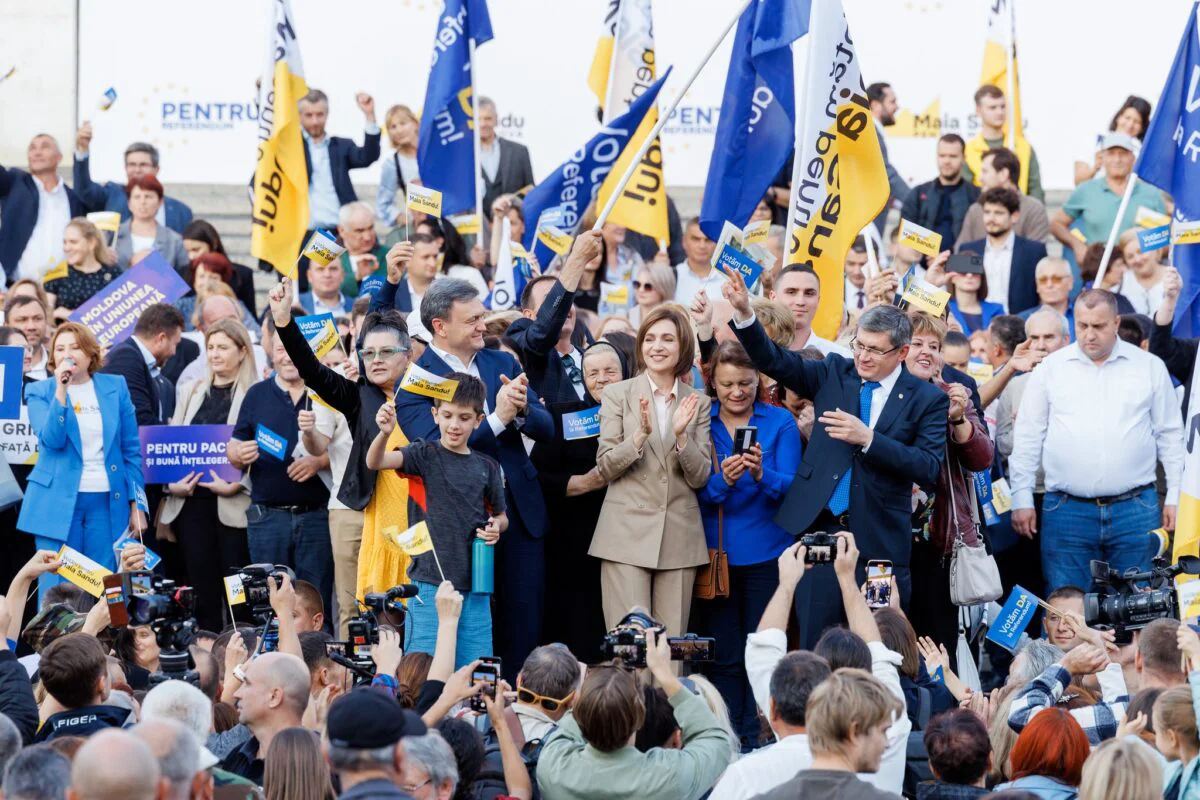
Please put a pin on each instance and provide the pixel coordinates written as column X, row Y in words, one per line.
column 367, row 719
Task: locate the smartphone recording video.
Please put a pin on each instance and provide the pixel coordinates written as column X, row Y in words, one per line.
column 879, row 584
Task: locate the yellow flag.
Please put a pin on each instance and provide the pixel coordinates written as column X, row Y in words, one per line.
column 280, row 214
column 414, row 541
column 1001, row 33
column 623, row 68
column 839, row 183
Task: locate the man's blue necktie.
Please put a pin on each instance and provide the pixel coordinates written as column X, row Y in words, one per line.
column 840, row 500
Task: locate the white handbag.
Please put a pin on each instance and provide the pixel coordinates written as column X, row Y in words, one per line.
column 974, row 576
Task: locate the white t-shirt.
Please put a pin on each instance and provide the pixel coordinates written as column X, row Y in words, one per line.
column 333, row 424
column 1144, row 301
column 140, row 243
column 83, row 400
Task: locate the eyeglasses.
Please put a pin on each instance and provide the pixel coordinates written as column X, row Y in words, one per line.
column 642, row 285
column 1055, row 279
column 382, row 354
column 413, row 787
column 551, row 704
column 863, row 350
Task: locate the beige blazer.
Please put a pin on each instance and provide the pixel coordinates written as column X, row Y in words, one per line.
column 230, row 510
column 650, row 517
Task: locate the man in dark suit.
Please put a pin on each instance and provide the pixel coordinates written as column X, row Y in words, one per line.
column 453, row 312
column 140, row 359
column 543, row 334
column 1009, row 261
column 505, row 163
column 141, row 158
column 328, row 160
column 879, row 431
column 35, row 207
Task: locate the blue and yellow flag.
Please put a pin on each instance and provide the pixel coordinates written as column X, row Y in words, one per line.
column 446, row 143
column 280, row 214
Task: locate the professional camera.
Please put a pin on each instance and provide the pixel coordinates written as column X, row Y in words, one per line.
column 258, row 593
column 627, row 641
column 1130, row 601
column 142, row 598
column 363, row 630
column 821, row 547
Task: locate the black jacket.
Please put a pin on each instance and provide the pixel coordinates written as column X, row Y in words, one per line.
column 84, row 722
column 536, row 339
column 921, row 206
column 514, row 173
column 358, row 401
column 345, row 155
column 16, row 696
column 126, row 360
column 1180, row 357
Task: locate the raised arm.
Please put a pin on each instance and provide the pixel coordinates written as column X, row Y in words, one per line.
column 542, row 335
column 334, row 389
column 358, row 157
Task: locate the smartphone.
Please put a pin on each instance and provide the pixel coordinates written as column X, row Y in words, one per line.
column 692, row 648
column 879, row 584
column 487, row 673
column 114, row 595
column 744, row 438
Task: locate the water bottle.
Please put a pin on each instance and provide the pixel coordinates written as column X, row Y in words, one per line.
column 483, row 567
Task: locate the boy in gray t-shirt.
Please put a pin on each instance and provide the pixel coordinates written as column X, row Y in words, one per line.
column 464, row 500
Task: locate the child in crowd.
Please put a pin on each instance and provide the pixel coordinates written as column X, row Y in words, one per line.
column 464, row 499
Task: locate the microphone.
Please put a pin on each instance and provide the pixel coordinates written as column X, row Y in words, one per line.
column 402, row 591
column 66, row 377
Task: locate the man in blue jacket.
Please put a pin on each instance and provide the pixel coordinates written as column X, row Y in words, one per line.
column 35, row 207
column 140, row 159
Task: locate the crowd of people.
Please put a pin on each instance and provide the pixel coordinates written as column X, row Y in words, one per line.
column 569, row 492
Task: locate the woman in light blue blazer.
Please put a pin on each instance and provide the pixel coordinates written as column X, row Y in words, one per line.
column 87, row 486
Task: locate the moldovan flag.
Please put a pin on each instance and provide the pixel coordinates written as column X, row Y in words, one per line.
column 280, row 212
column 839, row 182
column 999, row 56
column 622, row 71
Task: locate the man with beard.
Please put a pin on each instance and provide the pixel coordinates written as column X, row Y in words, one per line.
column 942, row 204
column 1009, row 259
column 883, row 107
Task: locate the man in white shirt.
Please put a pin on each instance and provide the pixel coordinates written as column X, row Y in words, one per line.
column 697, row 271
column 855, row 294
column 28, row 315
column 55, row 205
column 1098, row 416
column 799, row 288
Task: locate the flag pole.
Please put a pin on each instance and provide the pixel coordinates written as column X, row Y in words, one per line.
column 1116, row 228
column 1010, row 57
column 475, row 176
column 663, row 117
column 872, row 261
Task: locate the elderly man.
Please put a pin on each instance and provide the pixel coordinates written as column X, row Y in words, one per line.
column 1054, row 284
column 696, row 272
column 182, row 761
column 504, row 165
column 272, row 697
column 141, row 158
column 1097, row 416
column 365, row 256
column 35, row 207
column 880, row 431
column 115, row 765
column 37, row 773
column 364, row 739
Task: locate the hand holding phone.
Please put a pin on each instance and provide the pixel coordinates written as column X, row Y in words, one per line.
column 487, row 673
column 878, row 589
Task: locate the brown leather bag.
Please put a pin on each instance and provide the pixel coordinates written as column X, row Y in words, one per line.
column 713, row 581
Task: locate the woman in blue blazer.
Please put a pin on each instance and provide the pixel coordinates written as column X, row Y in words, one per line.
column 969, row 303
column 87, row 486
column 738, row 505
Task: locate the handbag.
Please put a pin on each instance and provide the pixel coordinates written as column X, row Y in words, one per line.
column 712, row 581
column 974, row 576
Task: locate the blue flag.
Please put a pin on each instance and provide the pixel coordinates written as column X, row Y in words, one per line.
column 1014, row 618
column 756, row 129
column 446, row 147
column 1168, row 160
column 573, row 185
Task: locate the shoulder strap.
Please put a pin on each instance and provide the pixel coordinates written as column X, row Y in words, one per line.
column 720, row 506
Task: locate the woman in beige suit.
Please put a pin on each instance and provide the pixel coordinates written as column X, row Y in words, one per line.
column 654, row 453
column 205, row 514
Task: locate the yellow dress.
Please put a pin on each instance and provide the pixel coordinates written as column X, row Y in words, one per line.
column 381, row 563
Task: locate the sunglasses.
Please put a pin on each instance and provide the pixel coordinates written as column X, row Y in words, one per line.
column 551, row 704
column 642, row 285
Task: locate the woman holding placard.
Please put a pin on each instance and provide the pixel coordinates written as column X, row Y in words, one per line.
column 87, row 486
column 203, row 512
column 654, row 451
column 141, row 234
column 89, row 267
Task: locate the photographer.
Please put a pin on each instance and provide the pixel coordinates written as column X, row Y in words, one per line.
column 767, row 647
column 363, row 742
column 592, row 753
column 273, row 696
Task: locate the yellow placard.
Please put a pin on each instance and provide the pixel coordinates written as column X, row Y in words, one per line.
column 925, row 297
column 55, row 273
column 423, row 382
column 1149, row 218
column 1185, row 233
column 756, row 232
column 82, row 571
column 322, row 250
column 518, row 250
column 426, row 200
column 617, row 296
column 414, row 541
column 316, row 398
column 921, row 239
column 1189, row 599
column 235, row 593
column 979, row 371
column 556, row 239
column 1001, row 496
column 466, row 224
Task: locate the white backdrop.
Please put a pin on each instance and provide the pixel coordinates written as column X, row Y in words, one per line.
column 1078, row 59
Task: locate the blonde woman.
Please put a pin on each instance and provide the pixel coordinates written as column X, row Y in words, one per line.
column 395, row 173
column 203, row 512
column 1142, row 283
column 653, row 285
column 88, row 268
column 1122, row 769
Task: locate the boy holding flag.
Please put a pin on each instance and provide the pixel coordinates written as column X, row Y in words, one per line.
column 464, row 500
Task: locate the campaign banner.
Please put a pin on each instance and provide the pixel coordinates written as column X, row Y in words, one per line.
column 171, row 452
column 1186, row 233
column 235, row 593
column 756, row 232
column 615, row 298
column 925, row 297
column 921, row 239
column 980, row 371
column 1151, row 239
column 1014, row 618
column 556, row 239
column 551, row 216
column 108, row 223
column 732, row 260
column 1149, row 218
column 581, row 424
column 466, row 224
column 423, row 382
column 12, row 360
column 270, row 442
column 112, row 312
column 426, row 200
column 107, row 99
column 81, row 571
column 1189, row 600
column 319, row 331
column 18, row 442
column 322, row 248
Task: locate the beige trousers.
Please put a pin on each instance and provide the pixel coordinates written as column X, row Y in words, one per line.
column 665, row 593
column 345, row 536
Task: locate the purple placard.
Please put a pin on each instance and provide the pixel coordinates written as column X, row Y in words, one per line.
column 170, row 452
column 112, row 312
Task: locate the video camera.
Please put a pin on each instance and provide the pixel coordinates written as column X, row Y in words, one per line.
column 141, row 598
column 627, row 641
column 1124, row 605
column 363, row 630
column 255, row 585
